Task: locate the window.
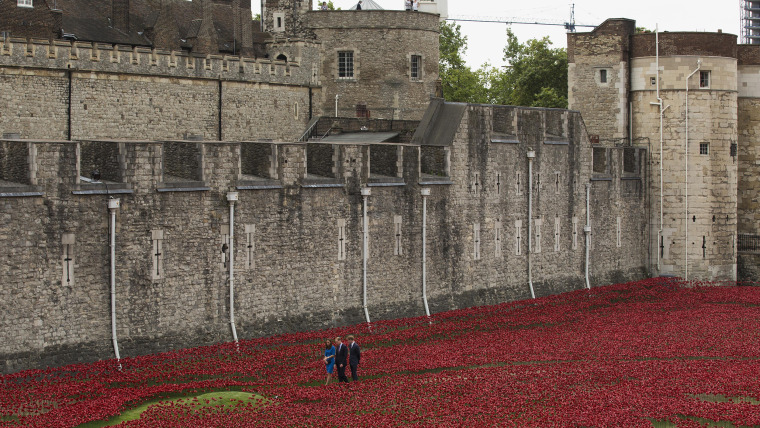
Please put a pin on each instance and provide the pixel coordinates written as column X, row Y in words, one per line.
column 733, row 150
column 653, row 81
column 279, row 21
column 603, row 76
column 704, row 148
column 704, row 79
column 25, row 3
column 415, row 71
column 346, row 64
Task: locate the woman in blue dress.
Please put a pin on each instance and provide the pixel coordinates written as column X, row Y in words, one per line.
column 329, row 359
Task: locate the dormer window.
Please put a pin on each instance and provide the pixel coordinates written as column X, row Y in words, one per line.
column 24, row 3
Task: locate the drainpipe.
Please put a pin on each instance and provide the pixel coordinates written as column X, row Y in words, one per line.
column 366, row 191
column 231, row 198
column 425, row 191
column 113, row 205
column 336, row 104
column 531, row 155
column 587, row 230
column 686, row 179
column 659, row 103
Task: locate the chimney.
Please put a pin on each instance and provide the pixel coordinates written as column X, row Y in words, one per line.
column 120, row 15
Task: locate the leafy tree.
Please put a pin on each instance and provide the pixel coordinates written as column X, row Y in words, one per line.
column 459, row 82
column 536, row 75
column 330, row 5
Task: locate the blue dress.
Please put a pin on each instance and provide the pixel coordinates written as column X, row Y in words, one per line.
column 331, row 362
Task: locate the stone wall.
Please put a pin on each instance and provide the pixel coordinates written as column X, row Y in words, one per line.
column 383, row 43
column 749, row 166
column 298, row 242
column 598, row 78
column 104, row 92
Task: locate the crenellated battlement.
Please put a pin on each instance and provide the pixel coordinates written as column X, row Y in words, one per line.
column 106, row 58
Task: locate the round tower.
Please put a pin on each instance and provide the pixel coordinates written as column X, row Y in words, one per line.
column 684, row 106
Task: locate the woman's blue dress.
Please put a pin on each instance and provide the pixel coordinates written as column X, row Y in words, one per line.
column 331, row 362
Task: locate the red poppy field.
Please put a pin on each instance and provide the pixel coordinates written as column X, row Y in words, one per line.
column 636, row 354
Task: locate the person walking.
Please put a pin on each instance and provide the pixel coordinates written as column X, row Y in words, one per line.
column 415, row 5
column 329, row 359
column 354, row 356
column 341, row 357
column 323, row 6
column 359, row 5
column 408, row 5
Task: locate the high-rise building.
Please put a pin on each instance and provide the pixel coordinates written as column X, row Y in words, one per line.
column 751, row 22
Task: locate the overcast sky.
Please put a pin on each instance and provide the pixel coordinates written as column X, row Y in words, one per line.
column 486, row 41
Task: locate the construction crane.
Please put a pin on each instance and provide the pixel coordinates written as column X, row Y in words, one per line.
column 569, row 25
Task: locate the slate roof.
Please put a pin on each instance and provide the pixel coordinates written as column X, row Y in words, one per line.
column 439, row 124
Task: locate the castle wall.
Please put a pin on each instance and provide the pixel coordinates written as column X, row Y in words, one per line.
column 290, row 274
column 382, row 43
column 712, row 177
column 748, row 147
column 598, row 80
column 108, row 92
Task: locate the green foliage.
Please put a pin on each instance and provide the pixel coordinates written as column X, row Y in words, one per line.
column 330, row 6
column 536, row 76
column 643, row 30
column 460, row 83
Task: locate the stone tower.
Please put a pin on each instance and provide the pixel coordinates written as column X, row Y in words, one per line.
column 285, row 17
column 692, row 150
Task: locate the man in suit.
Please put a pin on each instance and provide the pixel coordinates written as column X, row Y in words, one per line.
column 341, row 357
column 355, row 355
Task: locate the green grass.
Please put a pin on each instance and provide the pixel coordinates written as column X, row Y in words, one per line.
column 222, row 400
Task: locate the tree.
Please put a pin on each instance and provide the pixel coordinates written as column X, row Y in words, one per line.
column 460, row 83
column 330, row 5
column 536, row 75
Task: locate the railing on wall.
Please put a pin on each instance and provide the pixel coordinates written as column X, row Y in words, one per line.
column 748, row 243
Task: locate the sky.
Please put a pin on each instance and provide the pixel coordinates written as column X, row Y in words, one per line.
column 485, row 41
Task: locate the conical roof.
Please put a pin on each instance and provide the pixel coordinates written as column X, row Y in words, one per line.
column 367, row 5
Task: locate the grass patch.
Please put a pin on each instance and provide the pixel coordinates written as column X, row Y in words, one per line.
column 223, row 400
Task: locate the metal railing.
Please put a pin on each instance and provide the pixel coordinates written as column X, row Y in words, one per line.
column 748, row 243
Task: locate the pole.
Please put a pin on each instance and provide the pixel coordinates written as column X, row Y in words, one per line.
column 113, row 205
column 231, row 198
column 366, row 191
column 425, row 193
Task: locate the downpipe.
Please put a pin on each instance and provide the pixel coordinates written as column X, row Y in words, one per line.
column 231, row 198
column 113, row 205
column 366, row 192
column 531, row 154
column 587, row 231
column 425, row 193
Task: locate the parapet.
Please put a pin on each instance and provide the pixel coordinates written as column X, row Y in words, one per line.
column 684, row 43
column 100, row 57
column 373, row 19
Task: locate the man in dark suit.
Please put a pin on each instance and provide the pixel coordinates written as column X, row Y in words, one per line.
column 355, row 355
column 341, row 357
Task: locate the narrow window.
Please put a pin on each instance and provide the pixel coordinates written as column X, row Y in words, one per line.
column 67, row 259
column 476, row 241
column 346, row 64
column 619, row 242
column 556, row 183
column 575, row 233
column 603, row 76
column 475, row 185
column 341, row 239
column 537, row 226
column 415, row 71
column 653, row 81
column 704, row 148
column 518, row 190
column 518, row 237
column 225, row 246
column 157, row 237
column 498, row 184
column 497, row 239
column 556, row 234
column 704, row 79
column 733, row 150
column 24, row 3
column 397, row 235
column 250, row 245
